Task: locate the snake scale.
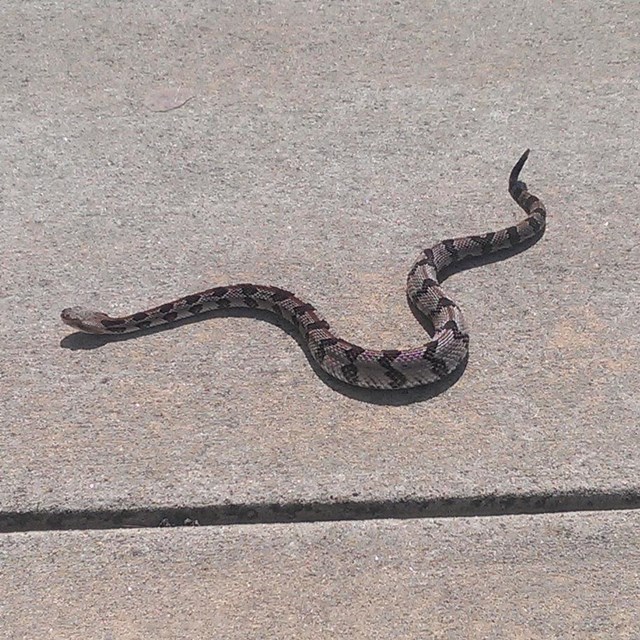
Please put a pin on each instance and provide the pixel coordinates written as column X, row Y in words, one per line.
column 369, row 368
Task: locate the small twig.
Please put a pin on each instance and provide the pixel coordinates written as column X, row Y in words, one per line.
column 174, row 107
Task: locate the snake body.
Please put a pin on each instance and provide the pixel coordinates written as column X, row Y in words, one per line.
column 378, row 369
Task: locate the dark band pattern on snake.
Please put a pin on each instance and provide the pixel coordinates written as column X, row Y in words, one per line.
column 355, row 365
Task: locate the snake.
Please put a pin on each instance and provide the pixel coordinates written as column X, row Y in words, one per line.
column 428, row 363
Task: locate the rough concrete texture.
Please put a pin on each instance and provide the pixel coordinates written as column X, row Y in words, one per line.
column 322, row 147
column 534, row 577
column 151, row 151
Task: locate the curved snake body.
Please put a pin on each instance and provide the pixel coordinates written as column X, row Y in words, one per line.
column 378, row 369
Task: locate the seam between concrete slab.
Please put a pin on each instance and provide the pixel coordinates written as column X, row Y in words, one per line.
column 272, row 513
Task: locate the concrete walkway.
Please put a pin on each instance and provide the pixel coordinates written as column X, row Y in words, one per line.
column 151, row 152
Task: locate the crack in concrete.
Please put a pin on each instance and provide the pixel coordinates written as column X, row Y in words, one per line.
column 295, row 512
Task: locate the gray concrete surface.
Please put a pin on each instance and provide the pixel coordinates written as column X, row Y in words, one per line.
column 559, row 576
column 319, row 147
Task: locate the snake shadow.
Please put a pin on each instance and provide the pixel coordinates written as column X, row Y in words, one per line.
column 392, row 397
column 86, row 341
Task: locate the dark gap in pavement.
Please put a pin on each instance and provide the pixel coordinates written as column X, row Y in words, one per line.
column 265, row 513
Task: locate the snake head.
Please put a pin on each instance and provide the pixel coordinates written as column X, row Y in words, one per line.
column 84, row 319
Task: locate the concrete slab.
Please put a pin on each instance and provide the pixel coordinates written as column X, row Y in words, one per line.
column 153, row 151
column 561, row 576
